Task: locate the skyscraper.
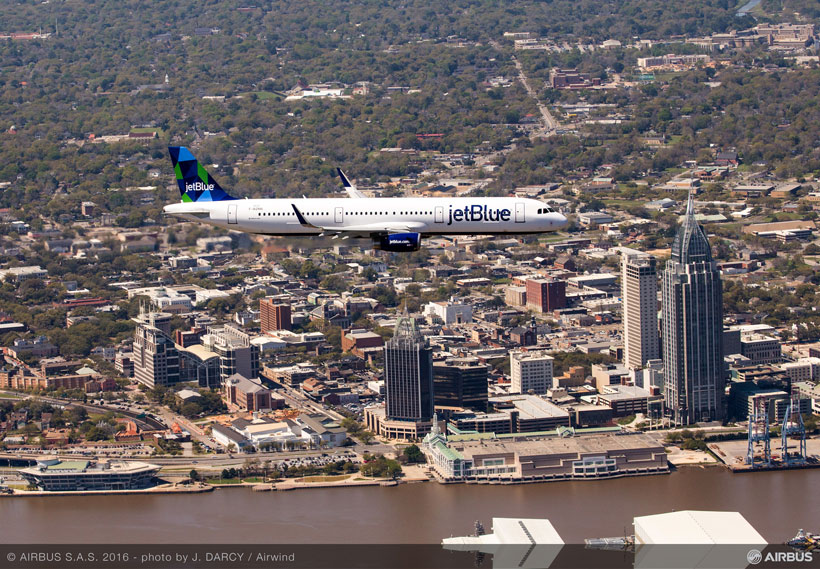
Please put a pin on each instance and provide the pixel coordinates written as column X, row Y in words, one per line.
column 408, row 374
column 639, row 289
column 692, row 307
column 156, row 358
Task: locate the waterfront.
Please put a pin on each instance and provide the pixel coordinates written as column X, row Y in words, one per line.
column 776, row 503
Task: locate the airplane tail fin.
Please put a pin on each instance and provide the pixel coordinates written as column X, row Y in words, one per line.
column 195, row 184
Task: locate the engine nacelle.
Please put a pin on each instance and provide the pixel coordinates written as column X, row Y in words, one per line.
column 399, row 242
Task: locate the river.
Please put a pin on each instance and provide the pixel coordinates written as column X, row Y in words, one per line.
column 776, row 503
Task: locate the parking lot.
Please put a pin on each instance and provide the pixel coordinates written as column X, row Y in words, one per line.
column 317, row 461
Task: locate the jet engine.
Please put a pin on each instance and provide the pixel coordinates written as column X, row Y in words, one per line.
column 398, row 242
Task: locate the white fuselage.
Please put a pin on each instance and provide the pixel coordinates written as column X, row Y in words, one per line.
column 427, row 216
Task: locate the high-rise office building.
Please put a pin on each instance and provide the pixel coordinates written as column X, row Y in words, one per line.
column 408, row 374
column 236, row 352
column 546, row 295
column 692, row 309
column 639, row 290
column 460, row 382
column 530, row 372
column 274, row 315
column 156, row 358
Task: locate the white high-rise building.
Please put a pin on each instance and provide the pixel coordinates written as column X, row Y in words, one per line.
column 639, row 289
column 530, row 372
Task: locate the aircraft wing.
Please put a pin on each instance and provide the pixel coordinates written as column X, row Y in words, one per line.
column 351, row 190
column 366, row 230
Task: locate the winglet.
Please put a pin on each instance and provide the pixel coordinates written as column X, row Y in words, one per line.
column 349, row 188
column 345, row 182
column 302, row 221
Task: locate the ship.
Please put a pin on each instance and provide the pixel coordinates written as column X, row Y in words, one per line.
column 804, row 540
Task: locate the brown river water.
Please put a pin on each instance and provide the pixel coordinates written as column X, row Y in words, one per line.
column 776, row 503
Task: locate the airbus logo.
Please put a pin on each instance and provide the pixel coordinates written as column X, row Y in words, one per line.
column 478, row 213
column 198, row 187
column 755, row 557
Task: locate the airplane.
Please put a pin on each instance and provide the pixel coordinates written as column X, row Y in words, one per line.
column 393, row 224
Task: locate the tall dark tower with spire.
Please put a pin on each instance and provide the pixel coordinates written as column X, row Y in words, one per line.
column 692, row 292
column 408, row 374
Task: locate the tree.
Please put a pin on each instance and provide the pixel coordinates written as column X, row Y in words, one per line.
column 194, row 475
column 366, row 437
column 413, row 454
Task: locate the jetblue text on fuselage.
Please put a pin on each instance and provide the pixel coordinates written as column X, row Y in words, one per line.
column 478, row 213
column 198, row 187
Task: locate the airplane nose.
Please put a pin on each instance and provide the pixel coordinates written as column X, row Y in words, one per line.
column 558, row 221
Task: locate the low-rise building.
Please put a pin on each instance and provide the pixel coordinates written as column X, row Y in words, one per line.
column 228, row 438
column 514, row 414
column 449, row 312
column 244, row 394
column 760, row 349
column 362, row 342
column 20, row 274
column 605, row 375
column 625, row 400
column 84, row 475
column 591, row 218
column 522, row 459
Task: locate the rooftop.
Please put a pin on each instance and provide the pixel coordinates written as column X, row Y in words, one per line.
column 694, row 527
column 530, row 406
column 591, row 444
column 512, row 531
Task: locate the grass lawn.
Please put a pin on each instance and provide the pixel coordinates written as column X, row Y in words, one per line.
column 554, row 238
column 623, row 202
column 158, row 130
column 335, row 478
column 223, row 481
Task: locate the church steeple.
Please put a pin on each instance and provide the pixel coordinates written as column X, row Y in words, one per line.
column 691, row 244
